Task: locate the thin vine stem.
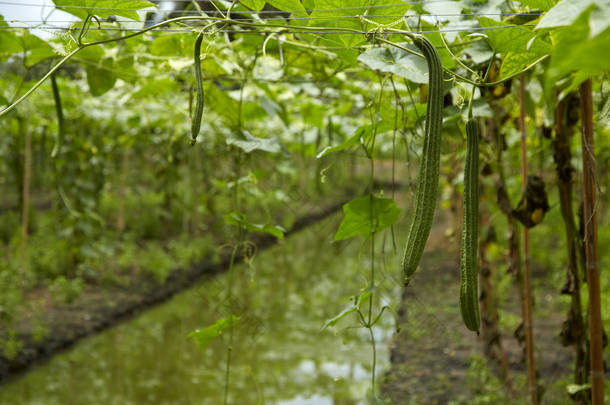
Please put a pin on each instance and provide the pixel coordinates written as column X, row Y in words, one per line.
column 230, row 346
column 40, row 82
column 458, row 60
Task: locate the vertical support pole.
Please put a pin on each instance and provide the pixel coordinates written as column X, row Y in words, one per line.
column 590, row 243
column 527, row 293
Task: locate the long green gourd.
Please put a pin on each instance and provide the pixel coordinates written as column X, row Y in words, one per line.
column 469, row 296
column 427, row 187
column 196, row 122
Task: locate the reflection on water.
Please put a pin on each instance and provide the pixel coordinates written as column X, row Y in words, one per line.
column 280, row 354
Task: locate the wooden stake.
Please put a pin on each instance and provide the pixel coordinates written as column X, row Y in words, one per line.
column 527, row 289
column 590, row 243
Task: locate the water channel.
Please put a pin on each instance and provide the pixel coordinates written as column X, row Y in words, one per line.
column 281, row 356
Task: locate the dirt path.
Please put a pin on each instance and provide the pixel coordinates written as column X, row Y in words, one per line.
column 431, row 359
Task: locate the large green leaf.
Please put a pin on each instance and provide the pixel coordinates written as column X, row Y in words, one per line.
column 514, row 39
column 564, row 13
column 538, row 4
column 397, row 61
column 576, row 51
column 346, row 14
column 365, row 215
column 103, row 8
column 254, row 4
column 9, row 42
column 173, row 45
column 479, row 51
column 287, row 5
column 203, row 337
column 101, row 77
column 36, row 49
column 28, row 45
column 519, row 46
column 567, row 12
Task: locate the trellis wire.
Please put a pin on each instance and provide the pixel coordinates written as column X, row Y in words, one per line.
column 284, row 30
column 356, row 16
column 369, row 7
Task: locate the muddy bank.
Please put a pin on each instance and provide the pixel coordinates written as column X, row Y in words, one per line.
column 100, row 307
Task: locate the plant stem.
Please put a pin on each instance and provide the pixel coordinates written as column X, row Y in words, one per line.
column 590, row 242
column 27, row 171
column 374, row 360
column 230, row 293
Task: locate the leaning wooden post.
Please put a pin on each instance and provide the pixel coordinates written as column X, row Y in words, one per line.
column 590, row 242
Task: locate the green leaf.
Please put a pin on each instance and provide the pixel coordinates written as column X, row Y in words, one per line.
column 515, row 62
column 252, row 143
column 36, row 49
column 361, row 136
column 239, row 219
column 309, row 4
column 479, row 51
column 287, row 5
column 538, row 4
column 514, row 39
column 203, row 337
column 564, row 13
column 603, row 115
column 30, row 46
column 568, row 12
column 363, row 219
column 103, row 8
column 325, row 10
column 254, row 4
column 357, row 301
column 152, row 88
column 9, row 42
column 353, row 140
column 101, row 77
column 576, row 51
column 173, row 45
column 397, row 61
column 519, row 46
column 574, row 388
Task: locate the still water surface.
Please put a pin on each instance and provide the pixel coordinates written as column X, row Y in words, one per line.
column 280, row 354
